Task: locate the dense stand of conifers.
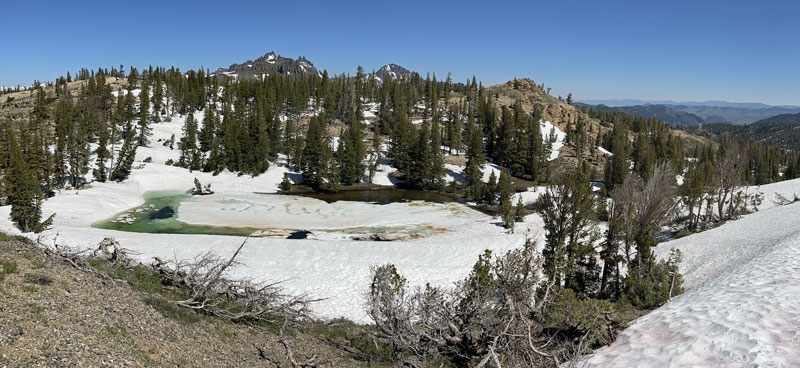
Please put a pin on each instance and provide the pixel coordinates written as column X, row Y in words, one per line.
column 246, row 125
column 242, row 130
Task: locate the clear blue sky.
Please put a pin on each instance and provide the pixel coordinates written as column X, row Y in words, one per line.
column 693, row 50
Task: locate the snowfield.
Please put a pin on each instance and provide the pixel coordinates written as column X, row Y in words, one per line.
column 741, row 307
column 548, row 127
column 334, row 269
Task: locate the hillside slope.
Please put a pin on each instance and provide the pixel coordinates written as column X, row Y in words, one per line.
column 782, row 118
column 57, row 316
column 742, row 301
column 782, row 134
column 534, row 99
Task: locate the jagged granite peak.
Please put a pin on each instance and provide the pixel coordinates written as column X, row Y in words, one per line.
column 393, row 71
column 270, row 63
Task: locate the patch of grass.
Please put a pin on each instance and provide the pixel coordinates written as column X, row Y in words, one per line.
column 38, row 279
column 223, row 331
column 144, row 279
column 108, row 268
column 37, row 263
column 343, row 331
column 8, row 267
column 169, row 309
column 30, row 288
column 372, row 350
column 334, row 330
column 139, row 277
column 37, row 311
column 683, row 233
column 19, row 238
column 147, row 360
column 273, row 325
column 117, row 330
column 27, row 255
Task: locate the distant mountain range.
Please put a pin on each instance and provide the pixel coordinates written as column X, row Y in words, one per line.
column 664, row 113
column 632, row 102
column 696, row 114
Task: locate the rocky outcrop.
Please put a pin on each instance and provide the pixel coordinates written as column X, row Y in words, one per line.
column 535, row 99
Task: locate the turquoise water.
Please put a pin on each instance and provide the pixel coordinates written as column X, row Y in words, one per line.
column 157, row 216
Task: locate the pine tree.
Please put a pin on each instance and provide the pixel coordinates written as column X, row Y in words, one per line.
column 508, row 215
column 208, row 129
column 315, row 153
column 536, row 158
column 286, row 183
column 158, row 99
column 567, row 209
column 520, row 210
column 351, row 151
column 490, row 189
column 133, row 79
column 125, row 158
column 22, row 186
column 214, row 163
column 101, row 173
column 190, row 155
column 475, row 158
column 437, row 170
column 418, row 176
column 144, row 116
column 454, row 130
column 505, row 188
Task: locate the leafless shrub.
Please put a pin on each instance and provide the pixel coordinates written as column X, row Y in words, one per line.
column 781, row 200
column 496, row 316
column 727, row 182
column 641, row 206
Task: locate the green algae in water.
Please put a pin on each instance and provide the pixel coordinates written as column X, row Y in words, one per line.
column 157, row 216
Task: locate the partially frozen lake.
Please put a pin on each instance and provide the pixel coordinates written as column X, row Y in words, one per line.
column 360, row 215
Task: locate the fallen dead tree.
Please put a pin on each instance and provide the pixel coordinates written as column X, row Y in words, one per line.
column 204, row 281
column 107, row 249
column 208, row 288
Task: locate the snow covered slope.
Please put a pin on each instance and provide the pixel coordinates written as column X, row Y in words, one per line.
column 334, row 269
column 741, row 307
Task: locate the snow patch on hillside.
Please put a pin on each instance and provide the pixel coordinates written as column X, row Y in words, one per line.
column 742, row 301
column 547, row 128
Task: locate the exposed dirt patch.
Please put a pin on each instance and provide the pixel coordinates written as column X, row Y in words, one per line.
column 55, row 315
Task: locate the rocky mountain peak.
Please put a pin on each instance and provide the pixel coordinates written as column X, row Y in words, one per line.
column 393, row 71
column 270, row 63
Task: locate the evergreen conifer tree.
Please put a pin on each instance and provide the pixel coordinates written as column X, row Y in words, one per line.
column 144, row 116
